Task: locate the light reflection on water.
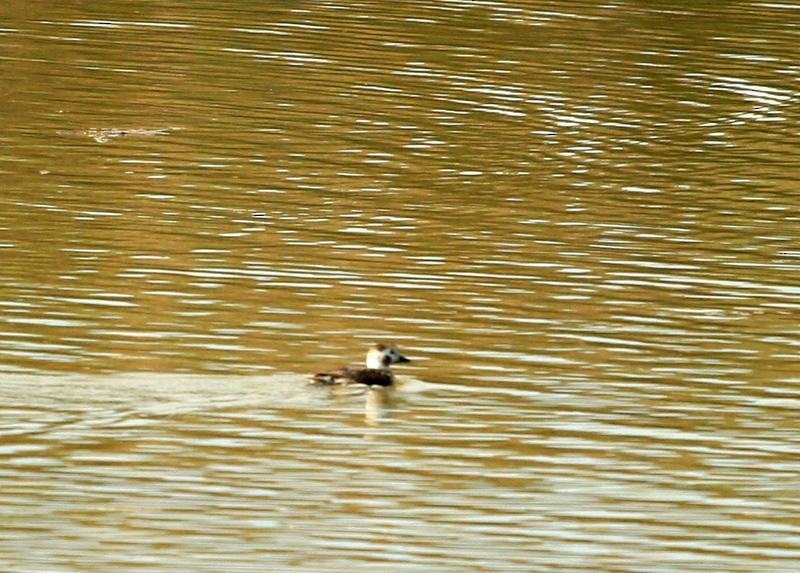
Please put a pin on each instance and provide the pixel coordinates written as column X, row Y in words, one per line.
column 587, row 247
column 191, row 469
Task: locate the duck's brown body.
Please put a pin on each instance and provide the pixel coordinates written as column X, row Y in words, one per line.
column 376, row 373
column 354, row 375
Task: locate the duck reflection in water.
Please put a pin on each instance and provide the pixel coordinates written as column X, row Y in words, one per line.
column 379, row 403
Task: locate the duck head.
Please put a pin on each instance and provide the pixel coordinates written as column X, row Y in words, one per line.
column 382, row 356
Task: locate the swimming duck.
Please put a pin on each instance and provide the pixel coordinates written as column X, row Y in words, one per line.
column 377, row 372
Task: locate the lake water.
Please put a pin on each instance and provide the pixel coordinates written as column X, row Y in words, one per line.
column 578, row 219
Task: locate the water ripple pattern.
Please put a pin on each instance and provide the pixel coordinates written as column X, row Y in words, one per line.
column 578, row 219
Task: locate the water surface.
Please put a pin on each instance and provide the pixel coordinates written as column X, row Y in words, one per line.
column 578, row 219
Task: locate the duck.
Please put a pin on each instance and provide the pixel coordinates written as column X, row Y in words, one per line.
column 376, row 373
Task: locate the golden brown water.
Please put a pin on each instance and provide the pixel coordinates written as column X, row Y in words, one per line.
column 579, row 219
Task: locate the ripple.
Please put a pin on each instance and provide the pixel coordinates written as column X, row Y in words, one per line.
column 585, row 247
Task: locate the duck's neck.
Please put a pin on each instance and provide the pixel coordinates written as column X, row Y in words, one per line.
column 375, row 361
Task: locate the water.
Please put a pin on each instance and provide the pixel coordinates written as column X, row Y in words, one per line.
column 577, row 219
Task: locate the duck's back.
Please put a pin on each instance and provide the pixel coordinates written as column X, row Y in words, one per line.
column 354, row 375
